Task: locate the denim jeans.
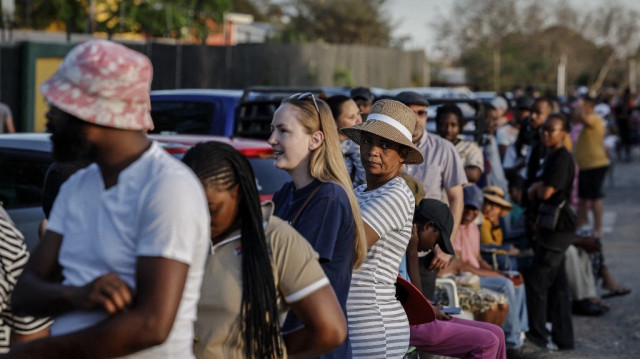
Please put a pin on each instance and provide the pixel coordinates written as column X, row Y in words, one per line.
column 517, row 318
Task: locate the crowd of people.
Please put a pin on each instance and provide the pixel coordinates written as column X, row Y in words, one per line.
column 143, row 256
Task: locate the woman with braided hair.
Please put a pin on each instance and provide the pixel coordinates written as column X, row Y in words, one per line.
column 319, row 201
column 258, row 267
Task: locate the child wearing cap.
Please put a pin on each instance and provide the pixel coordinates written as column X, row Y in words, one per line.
column 432, row 225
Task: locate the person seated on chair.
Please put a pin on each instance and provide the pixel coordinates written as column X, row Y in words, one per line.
column 467, row 248
column 461, row 338
column 494, row 249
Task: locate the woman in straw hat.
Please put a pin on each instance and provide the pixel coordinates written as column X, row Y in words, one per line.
column 319, row 201
column 378, row 326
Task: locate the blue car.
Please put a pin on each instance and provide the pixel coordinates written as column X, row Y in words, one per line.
column 195, row 111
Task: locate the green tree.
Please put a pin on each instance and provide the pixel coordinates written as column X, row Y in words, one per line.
column 339, row 21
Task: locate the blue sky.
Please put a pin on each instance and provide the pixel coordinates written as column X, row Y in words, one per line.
column 413, row 16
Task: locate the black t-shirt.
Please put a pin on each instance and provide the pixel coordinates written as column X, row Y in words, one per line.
column 558, row 171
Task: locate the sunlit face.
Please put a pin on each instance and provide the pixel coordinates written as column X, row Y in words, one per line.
column 428, row 237
column 223, row 209
column 539, row 113
column 469, row 214
column 349, row 115
column 553, row 133
column 381, row 157
column 289, row 140
column 492, row 211
column 449, row 127
column 421, row 120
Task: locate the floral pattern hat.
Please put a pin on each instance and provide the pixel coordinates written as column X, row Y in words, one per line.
column 104, row 83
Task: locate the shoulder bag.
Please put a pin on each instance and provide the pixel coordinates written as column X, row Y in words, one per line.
column 548, row 215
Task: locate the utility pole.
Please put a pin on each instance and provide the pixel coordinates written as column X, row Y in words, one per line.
column 562, row 75
column 632, row 75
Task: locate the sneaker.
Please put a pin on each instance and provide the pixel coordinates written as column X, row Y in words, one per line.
column 528, row 350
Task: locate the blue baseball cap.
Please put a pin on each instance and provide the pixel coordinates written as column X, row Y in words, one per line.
column 473, row 196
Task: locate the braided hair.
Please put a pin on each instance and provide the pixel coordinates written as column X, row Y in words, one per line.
column 218, row 164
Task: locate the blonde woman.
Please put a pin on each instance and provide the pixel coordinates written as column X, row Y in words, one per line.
column 319, row 201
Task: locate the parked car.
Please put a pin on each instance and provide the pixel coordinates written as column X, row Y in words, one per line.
column 195, row 111
column 242, row 113
column 25, row 158
column 260, row 154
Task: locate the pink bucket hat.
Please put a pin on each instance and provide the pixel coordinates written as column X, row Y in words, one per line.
column 104, row 83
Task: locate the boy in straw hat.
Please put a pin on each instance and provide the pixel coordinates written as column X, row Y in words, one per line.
column 121, row 262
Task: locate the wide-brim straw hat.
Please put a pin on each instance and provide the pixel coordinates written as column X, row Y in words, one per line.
column 393, row 121
column 495, row 194
column 104, row 83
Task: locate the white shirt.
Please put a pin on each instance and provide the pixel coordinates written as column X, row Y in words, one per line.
column 158, row 209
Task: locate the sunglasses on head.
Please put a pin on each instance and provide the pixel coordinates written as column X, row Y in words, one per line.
column 304, row 96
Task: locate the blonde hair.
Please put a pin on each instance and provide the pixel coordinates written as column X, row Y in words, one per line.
column 327, row 163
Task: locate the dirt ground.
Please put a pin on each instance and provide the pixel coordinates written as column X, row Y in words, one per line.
column 617, row 333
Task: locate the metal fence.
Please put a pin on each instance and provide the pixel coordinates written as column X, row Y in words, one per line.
column 24, row 64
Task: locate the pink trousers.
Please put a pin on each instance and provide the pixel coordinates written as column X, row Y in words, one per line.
column 459, row 338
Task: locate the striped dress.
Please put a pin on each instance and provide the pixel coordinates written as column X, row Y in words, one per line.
column 378, row 326
column 13, row 256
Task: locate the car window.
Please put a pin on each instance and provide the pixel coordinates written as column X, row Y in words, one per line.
column 182, row 116
column 268, row 178
column 21, row 177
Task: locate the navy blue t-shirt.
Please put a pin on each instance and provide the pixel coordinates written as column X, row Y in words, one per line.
column 327, row 223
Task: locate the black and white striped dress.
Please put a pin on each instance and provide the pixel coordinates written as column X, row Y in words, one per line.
column 13, row 257
column 378, row 326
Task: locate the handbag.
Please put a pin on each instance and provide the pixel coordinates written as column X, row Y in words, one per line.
column 548, row 215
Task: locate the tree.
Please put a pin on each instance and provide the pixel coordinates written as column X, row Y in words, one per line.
column 338, row 21
column 505, row 42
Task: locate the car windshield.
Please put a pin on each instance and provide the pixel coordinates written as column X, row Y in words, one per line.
column 182, row 116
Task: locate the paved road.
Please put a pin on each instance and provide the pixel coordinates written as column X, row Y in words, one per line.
column 617, row 333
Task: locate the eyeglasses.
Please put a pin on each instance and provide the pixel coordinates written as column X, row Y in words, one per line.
column 302, row 96
column 421, row 113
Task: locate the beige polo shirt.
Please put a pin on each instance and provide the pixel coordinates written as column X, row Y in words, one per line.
column 296, row 271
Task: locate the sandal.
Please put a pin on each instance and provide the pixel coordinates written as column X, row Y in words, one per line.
column 618, row 291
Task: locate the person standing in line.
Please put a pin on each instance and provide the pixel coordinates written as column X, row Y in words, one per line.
column 121, row 262
column 378, row 325
column 593, row 163
column 256, row 272
column 6, row 119
column 548, row 295
column 450, row 122
column 364, row 99
column 346, row 113
column 442, row 175
column 319, row 201
column 13, row 328
column 494, row 174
